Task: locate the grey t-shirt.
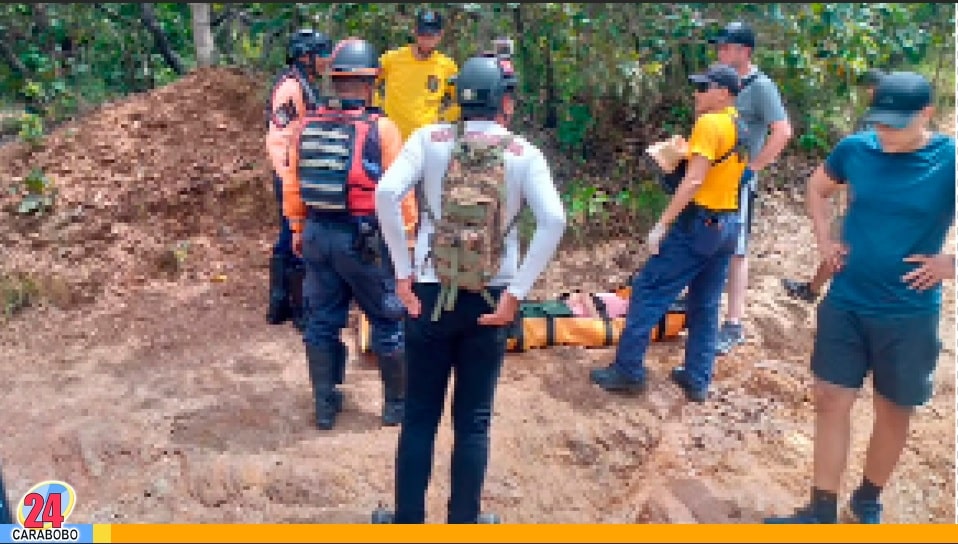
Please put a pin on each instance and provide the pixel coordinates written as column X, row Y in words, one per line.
column 759, row 105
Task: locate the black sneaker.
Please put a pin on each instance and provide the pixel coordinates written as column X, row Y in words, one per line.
column 800, row 290
column 694, row 394
column 865, row 511
column 611, row 379
column 803, row 516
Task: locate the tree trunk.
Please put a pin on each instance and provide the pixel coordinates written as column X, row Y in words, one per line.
column 202, row 34
column 148, row 16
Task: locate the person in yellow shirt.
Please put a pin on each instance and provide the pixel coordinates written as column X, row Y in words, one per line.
column 691, row 246
column 414, row 84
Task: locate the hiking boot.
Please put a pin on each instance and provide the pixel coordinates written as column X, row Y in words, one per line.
column 392, row 370
column 610, row 379
column 803, row 516
column 279, row 310
column 800, row 290
column 729, row 336
column 865, row 511
column 328, row 400
column 692, row 393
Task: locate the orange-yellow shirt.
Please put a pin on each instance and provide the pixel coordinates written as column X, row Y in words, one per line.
column 712, row 137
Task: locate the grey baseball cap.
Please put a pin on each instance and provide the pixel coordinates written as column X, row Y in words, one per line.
column 898, row 97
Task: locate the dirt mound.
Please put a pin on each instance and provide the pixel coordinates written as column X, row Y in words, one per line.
column 144, row 185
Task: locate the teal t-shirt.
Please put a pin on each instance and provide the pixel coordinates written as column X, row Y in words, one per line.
column 900, row 204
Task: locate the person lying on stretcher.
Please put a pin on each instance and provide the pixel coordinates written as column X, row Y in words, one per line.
column 608, row 305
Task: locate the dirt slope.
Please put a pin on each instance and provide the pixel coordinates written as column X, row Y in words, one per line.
column 162, row 396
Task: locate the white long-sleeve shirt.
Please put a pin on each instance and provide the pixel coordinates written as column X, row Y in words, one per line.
column 426, row 155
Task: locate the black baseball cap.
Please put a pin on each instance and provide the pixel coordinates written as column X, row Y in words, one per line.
column 735, row 32
column 428, row 22
column 898, row 97
column 722, row 75
column 871, row 77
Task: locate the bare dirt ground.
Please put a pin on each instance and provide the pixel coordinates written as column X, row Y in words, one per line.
column 148, row 379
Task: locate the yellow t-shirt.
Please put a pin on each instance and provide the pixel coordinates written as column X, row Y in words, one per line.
column 414, row 89
column 712, row 137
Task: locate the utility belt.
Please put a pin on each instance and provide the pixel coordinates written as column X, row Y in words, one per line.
column 367, row 240
column 694, row 211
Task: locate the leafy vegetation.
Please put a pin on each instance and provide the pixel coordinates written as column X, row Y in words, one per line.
column 599, row 81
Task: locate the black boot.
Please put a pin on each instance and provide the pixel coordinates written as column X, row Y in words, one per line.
column 279, row 310
column 294, row 289
column 322, row 374
column 392, row 370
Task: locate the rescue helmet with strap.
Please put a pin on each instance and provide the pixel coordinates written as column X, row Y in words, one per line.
column 308, row 42
column 482, row 83
column 353, row 58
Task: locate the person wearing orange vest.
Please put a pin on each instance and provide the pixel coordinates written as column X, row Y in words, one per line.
column 292, row 93
column 330, row 163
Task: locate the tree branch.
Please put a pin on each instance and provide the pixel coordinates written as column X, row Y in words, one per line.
column 11, row 57
column 148, row 16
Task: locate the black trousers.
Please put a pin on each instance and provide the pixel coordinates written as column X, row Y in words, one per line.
column 434, row 350
column 6, row 509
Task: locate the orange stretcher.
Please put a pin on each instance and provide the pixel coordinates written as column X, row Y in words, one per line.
column 547, row 324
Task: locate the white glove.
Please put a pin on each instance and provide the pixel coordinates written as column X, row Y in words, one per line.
column 655, row 238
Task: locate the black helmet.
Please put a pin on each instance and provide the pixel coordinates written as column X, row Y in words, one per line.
column 482, row 82
column 428, row 22
column 307, row 41
column 354, row 57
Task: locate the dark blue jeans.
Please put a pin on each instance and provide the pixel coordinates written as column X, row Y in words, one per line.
column 695, row 254
column 434, row 350
column 335, row 276
column 284, row 241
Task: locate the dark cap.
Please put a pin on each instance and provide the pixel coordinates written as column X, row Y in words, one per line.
column 735, row 32
column 898, row 97
column 428, row 22
column 722, row 75
column 871, row 77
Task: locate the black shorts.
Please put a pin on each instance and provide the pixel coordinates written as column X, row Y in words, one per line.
column 901, row 353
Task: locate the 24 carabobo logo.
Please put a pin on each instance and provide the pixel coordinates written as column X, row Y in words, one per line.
column 47, row 505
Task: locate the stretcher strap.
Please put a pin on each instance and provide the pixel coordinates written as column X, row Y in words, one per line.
column 609, row 332
column 550, row 331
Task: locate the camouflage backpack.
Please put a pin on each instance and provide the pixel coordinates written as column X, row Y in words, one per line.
column 468, row 240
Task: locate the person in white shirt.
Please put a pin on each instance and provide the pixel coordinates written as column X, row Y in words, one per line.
column 470, row 339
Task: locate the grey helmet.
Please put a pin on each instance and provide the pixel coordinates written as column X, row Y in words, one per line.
column 481, row 84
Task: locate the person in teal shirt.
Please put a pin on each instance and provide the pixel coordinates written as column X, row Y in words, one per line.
column 882, row 310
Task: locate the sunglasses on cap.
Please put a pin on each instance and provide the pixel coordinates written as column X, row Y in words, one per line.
column 703, row 86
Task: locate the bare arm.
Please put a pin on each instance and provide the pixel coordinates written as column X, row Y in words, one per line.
column 781, row 133
column 695, row 172
column 819, row 191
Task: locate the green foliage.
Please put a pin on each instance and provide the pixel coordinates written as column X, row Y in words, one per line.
column 38, row 193
column 16, row 293
column 31, row 129
column 592, row 75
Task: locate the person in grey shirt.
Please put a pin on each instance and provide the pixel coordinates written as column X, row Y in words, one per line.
column 470, row 338
column 767, row 131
